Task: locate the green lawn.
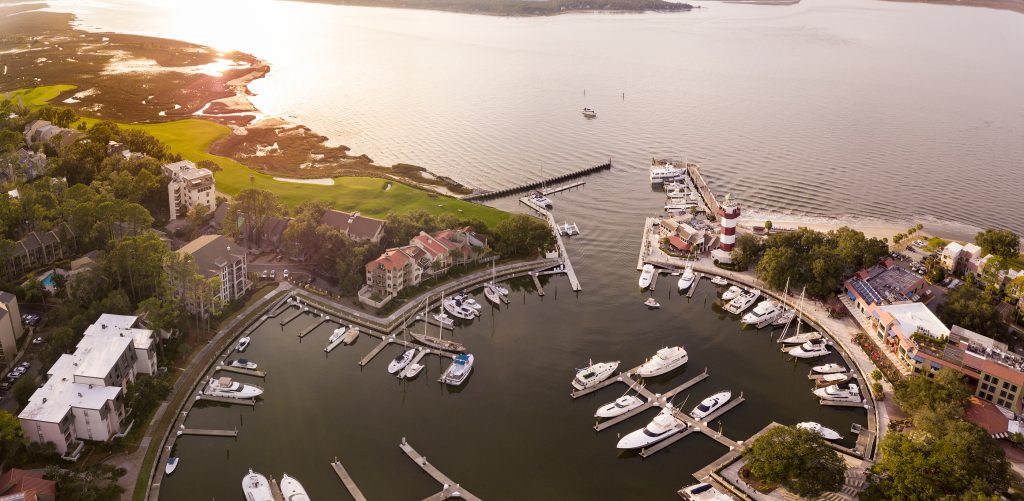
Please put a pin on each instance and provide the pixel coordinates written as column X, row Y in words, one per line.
column 192, row 139
column 38, row 96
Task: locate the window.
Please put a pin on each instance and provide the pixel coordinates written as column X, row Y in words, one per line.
column 1002, row 394
column 1013, row 388
column 986, row 378
column 1001, row 403
column 1006, row 384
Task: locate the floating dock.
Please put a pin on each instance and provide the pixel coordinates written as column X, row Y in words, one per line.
column 536, row 283
column 346, row 479
column 696, row 282
column 651, row 402
column 490, row 195
column 564, row 187
column 295, row 315
column 450, row 488
column 379, row 348
column 314, row 325
column 837, row 403
column 208, row 433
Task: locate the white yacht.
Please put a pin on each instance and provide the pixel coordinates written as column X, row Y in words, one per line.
column 784, row 317
column 801, row 338
column 719, row 280
column 594, row 374
column 829, row 369
column 459, row 369
column 830, row 379
column 541, row 200
column 765, row 310
column 842, row 392
column 292, row 490
column 687, row 279
column 243, row 343
column 242, row 363
column 225, row 387
column 646, row 276
column 589, row 113
column 619, row 407
column 710, row 405
column 743, row 301
column 412, row 370
column 492, row 295
column 443, row 319
column 459, row 310
column 731, row 293
column 811, row 349
column 663, row 361
column 256, row 488
column 826, row 433
column 337, row 334
column 664, row 171
column 663, row 425
column 704, row 492
column 402, row 360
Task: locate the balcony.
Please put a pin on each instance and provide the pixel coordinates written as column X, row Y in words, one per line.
column 74, row 451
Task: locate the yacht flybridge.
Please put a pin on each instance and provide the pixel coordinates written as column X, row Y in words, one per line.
column 663, row 426
column 225, row 387
column 619, row 407
column 826, row 433
column 459, row 369
column 663, row 361
column 765, row 310
column 811, row 349
column 686, row 281
column 663, row 171
column 594, row 374
column 710, row 405
column 646, row 276
column 256, row 488
column 743, row 301
column 842, row 392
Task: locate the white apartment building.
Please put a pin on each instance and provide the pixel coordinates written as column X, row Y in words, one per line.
column 190, row 186
column 83, row 397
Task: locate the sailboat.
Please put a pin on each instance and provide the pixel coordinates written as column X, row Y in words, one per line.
column 494, row 293
column 438, row 342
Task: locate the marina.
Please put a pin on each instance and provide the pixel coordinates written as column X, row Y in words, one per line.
column 563, row 254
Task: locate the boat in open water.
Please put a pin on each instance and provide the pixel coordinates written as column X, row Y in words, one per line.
column 589, row 113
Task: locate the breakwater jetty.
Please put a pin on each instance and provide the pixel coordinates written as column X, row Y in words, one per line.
column 504, row 192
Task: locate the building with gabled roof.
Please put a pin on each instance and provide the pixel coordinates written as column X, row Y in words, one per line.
column 216, row 256
column 358, row 227
column 26, row 485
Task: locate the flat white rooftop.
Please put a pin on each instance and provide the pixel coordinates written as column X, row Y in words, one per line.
column 96, row 355
column 53, row 400
column 916, row 316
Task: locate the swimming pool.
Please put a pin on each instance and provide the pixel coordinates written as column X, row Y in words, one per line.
column 48, row 280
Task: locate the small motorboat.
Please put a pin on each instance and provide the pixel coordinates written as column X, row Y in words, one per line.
column 172, row 464
column 802, row 338
column 589, row 113
column 719, row 280
column 826, row 433
column 663, row 425
column 731, row 293
column 619, row 407
column 242, row 363
column 710, row 405
column 243, row 344
column 593, row 374
column 402, row 360
column 292, row 490
column 842, row 392
column 646, row 276
column 256, row 488
column 350, row 335
column 412, row 370
column 704, row 492
column 829, row 369
column 652, row 303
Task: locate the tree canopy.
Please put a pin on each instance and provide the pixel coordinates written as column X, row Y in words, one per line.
column 522, row 235
column 817, row 260
column 747, row 250
column 945, row 393
column 974, row 309
column 799, row 460
column 1001, row 243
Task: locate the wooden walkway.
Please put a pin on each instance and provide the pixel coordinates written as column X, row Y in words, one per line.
column 230, row 401
column 539, row 184
column 379, row 348
column 836, row 403
column 702, row 186
column 314, row 325
column 564, row 187
column 563, row 254
column 208, row 433
column 449, row 487
column 275, row 490
column 346, row 479
column 536, row 282
column 239, row 370
column 293, row 316
column 696, row 282
column 651, row 402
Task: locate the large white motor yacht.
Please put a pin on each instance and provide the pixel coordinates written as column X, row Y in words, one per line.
column 811, row 349
column 256, row 488
column 743, row 301
column 765, row 310
column 646, row 276
column 710, row 405
column 292, row 490
column 664, row 171
column 459, row 370
column 829, row 369
column 225, row 387
column 687, row 279
column 663, row 361
column 731, row 293
column 619, row 407
column 337, row 334
column 401, row 361
column 663, row 425
column 590, row 376
column 826, row 433
column 704, row 492
column 842, row 392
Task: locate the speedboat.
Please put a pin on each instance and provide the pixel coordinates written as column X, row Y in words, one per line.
column 256, row 488
column 172, row 464
column 663, row 425
column 337, row 334
column 842, row 392
column 492, row 295
column 765, row 310
column 594, row 374
column 541, row 200
column 401, row 361
column 784, row 317
column 664, row 171
column 710, row 404
column 719, row 280
column 731, row 293
column 829, row 369
column 704, row 492
column 243, row 343
column 811, row 349
column 646, row 276
column 826, row 433
column 743, row 301
column 589, row 113
column 652, row 303
column 802, row 338
column 225, row 387
column 663, row 361
column 459, row 370
column 242, row 363
column 619, row 407
column 687, row 279
column 292, row 490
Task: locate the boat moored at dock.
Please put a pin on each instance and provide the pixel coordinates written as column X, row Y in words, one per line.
column 687, row 279
column 826, row 433
column 619, row 407
column 225, row 387
column 401, row 361
column 811, row 349
column 731, row 293
column 593, row 374
column 172, row 464
column 842, row 392
column 292, row 490
column 784, row 317
column 743, row 301
column 764, row 311
column 829, row 369
column 665, row 360
column 710, row 405
column 242, row 363
column 801, row 338
column 459, row 369
column 719, row 280
column 663, row 426
column 646, row 276
column 664, row 171
column 704, row 492
column 243, row 343
column 541, row 200
column 255, row 487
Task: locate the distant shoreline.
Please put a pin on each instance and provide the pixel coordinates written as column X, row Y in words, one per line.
column 520, row 8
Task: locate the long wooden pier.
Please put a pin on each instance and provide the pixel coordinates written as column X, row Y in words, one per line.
column 651, row 402
column 293, row 316
column 314, row 325
column 208, row 433
column 696, row 282
column 536, row 283
column 564, row 187
column 702, row 186
column 490, row 195
column 346, row 479
column 450, row 488
column 563, row 254
column 379, row 348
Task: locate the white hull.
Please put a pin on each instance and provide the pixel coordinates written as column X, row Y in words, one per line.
column 401, row 361
column 256, row 488
column 829, row 369
column 459, row 311
column 646, row 276
column 492, row 295
column 742, row 302
column 711, row 404
column 800, row 352
column 226, row 388
column 784, row 318
column 412, row 370
column 731, row 293
column 172, row 464
column 459, row 370
column 242, row 344
column 847, row 392
column 663, row 426
column 667, row 359
column 802, row 338
column 705, row 492
column 685, row 282
column 619, row 407
column 292, row 490
column 242, row 363
column 719, row 281
column 590, row 376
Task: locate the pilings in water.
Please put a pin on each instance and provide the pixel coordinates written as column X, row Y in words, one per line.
column 539, row 184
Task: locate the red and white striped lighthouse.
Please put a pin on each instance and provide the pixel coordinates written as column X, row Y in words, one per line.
column 727, row 214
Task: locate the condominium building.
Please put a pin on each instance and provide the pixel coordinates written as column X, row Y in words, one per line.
column 189, row 187
column 11, row 328
column 217, row 256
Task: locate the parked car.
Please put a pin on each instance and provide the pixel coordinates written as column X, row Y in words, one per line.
column 37, row 340
column 25, row 364
column 285, row 274
column 265, row 274
column 273, row 274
